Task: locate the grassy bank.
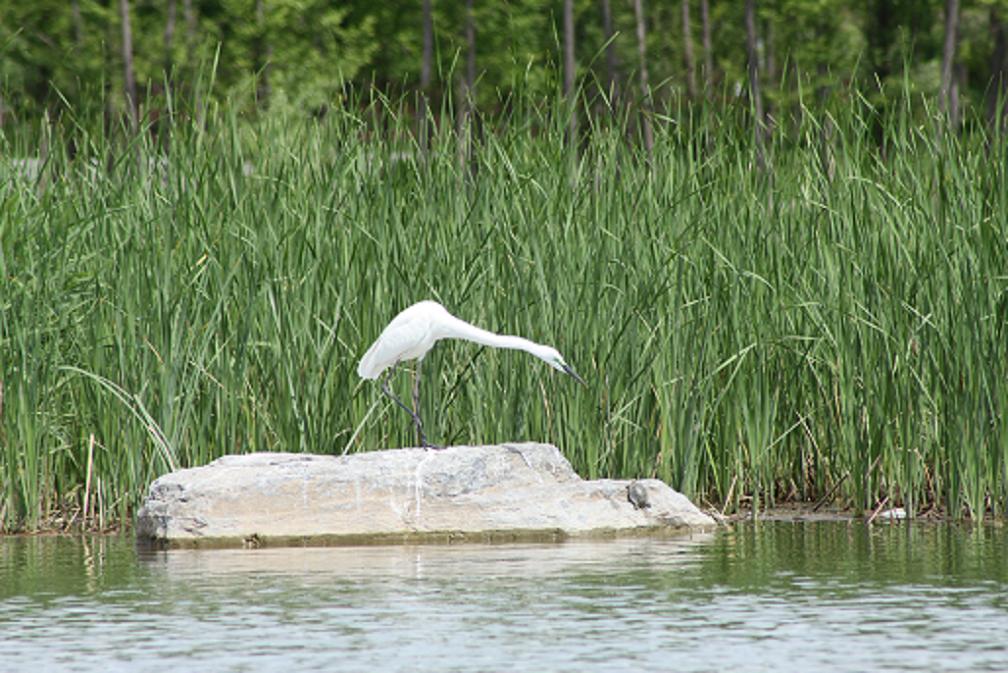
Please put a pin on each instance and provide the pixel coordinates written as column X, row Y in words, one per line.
column 836, row 326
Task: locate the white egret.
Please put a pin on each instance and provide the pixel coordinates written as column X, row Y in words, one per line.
column 413, row 332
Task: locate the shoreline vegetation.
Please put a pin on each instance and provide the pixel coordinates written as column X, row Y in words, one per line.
column 827, row 322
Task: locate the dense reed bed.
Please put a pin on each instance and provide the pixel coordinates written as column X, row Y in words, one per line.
column 834, row 327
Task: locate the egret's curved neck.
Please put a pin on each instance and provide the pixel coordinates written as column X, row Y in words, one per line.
column 457, row 328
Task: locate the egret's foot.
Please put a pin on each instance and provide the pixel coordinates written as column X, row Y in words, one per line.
column 427, row 445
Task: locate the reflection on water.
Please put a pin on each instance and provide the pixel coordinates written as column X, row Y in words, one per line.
column 826, row 596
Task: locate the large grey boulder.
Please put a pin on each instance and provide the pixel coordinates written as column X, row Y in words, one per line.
column 510, row 491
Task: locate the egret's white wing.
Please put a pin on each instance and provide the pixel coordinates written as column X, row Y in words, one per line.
column 408, row 336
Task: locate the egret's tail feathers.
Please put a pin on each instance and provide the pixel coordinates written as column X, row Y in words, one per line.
column 367, row 368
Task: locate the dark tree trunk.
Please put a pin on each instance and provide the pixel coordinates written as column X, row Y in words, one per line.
column 470, row 37
column 826, row 162
column 769, row 76
column 426, row 73
column 169, row 36
column 769, row 55
column 466, row 90
column 881, row 33
column 759, row 128
column 708, row 50
column 949, row 99
column 569, row 68
column 129, row 79
column 645, row 85
column 78, row 24
column 958, row 84
column 998, row 89
column 108, row 65
column 688, row 62
column 262, row 56
column 612, row 60
column 190, row 21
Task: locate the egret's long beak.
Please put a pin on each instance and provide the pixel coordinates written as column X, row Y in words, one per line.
column 570, row 370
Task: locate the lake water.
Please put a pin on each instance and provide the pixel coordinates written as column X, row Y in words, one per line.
column 824, row 596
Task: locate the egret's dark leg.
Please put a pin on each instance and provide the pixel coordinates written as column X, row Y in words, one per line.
column 416, row 387
column 413, row 414
column 416, row 408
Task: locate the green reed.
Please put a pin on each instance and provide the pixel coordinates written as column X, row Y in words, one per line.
column 838, row 324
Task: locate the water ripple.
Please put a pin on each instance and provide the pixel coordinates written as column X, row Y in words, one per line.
column 754, row 599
